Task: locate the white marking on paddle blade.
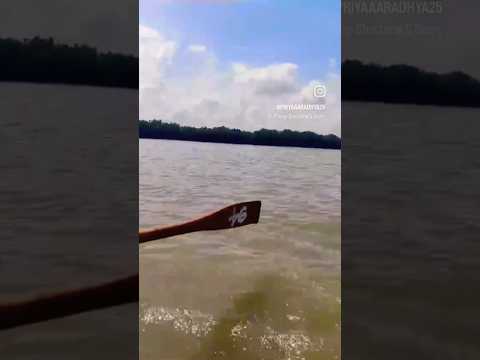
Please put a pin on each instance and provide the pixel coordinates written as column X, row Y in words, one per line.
column 239, row 217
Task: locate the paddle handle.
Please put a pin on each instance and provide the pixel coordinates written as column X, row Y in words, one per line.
column 63, row 304
column 168, row 231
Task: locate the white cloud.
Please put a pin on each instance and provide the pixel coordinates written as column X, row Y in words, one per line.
column 273, row 79
column 197, row 48
column 274, row 72
column 156, row 54
column 199, row 92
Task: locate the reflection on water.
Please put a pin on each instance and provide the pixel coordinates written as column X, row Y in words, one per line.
column 267, row 291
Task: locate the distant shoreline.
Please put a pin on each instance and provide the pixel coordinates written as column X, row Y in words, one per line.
column 159, row 130
column 226, row 143
column 404, row 84
column 42, row 61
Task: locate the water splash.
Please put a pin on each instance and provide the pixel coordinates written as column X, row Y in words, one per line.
column 189, row 322
column 246, row 336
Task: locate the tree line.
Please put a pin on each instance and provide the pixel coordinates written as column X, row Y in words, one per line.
column 157, row 129
column 408, row 85
column 41, row 60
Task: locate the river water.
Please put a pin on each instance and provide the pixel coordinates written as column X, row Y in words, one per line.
column 264, row 291
column 69, row 213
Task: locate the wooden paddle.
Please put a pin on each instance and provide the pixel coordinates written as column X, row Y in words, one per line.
column 67, row 303
column 230, row 217
column 124, row 290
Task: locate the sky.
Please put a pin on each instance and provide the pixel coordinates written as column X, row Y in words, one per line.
column 232, row 62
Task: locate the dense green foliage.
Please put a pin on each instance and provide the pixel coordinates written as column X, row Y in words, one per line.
column 43, row 61
column 407, row 85
column 157, row 129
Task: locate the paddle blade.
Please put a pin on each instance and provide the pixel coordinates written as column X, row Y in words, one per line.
column 232, row 216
